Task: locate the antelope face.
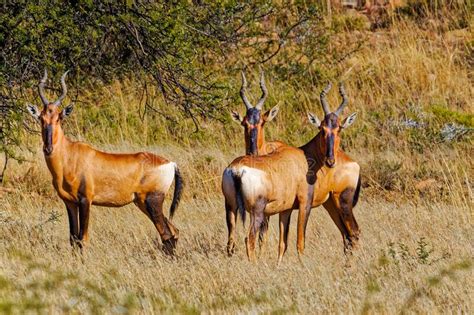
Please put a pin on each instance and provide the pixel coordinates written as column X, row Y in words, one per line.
column 254, row 120
column 330, row 128
column 253, row 123
column 50, row 117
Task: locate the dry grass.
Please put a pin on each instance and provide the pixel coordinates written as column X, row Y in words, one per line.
column 415, row 212
column 413, row 257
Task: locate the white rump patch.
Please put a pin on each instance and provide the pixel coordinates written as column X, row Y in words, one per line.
column 166, row 175
column 253, row 181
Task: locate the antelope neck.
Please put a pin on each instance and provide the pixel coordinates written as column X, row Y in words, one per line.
column 256, row 144
column 313, row 152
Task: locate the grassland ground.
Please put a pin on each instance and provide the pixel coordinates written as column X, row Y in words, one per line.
column 414, row 256
column 407, row 83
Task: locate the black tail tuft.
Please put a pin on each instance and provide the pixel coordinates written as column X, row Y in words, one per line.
column 356, row 193
column 263, row 229
column 239, row 196
column 178, row 190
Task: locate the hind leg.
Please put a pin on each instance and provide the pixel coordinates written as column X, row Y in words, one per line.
column 344, row 202
column 256, row 219
column 231, row 219
column 262, row 234
column 151, row 204
column 344, row 220
column 285, row 218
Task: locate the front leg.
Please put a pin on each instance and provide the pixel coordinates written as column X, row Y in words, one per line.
column 72, row 214
column 84, row 208
column 305, row 197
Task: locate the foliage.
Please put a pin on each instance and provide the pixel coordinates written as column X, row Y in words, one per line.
column 178, row 48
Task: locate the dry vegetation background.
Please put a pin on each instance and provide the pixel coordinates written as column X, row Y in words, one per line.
column 407, row 83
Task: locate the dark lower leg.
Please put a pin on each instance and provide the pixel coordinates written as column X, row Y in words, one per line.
column 231, row 216
column 263, row 232
column 335, row 214
column 72, row 213
column 257, row 217
column 168, row 232
column 347, row 216
column 84, row 209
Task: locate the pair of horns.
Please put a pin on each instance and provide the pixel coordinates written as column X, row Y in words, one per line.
column 324, row 102
column 262, row 87
column 41, row 89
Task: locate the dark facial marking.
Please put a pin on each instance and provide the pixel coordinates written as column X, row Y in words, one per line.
column 253, row 116
column 330, row 146
column 331, row 124
column 331, row 121
column 48, row 139
column 253, row 141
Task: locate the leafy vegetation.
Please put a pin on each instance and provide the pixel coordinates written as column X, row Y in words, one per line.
column 176, row 49
column 407, row 79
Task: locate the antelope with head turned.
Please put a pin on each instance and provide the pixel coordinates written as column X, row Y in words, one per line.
column 84, row 176
column 333, row 175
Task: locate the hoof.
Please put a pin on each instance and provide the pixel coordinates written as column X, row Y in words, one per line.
column 169, row 246
column 230, row 250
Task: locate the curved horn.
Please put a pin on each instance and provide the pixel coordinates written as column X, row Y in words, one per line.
column 345, row 100
column 41, row 88
column 322, row 97
column 263, row 87
column 242, row 92
column 63, row 84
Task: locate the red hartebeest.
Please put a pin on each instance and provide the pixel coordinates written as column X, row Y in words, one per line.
column 84, row 176
column 333, row 175
column 255, row 144
column 331, row 179
column 267, row 185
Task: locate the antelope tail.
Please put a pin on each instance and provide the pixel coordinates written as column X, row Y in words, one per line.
column 239, row 195
column 178, row 190
column 357, row 192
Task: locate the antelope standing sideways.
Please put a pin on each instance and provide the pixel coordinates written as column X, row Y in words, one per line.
column 333, row 175
column 84, row 176
column 255, row 144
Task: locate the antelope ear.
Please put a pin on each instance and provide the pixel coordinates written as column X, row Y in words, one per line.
column 270, row 114
column 349, row 120
column 314, row 120
column 66, row 111
column 236, row 117
column 33, row 110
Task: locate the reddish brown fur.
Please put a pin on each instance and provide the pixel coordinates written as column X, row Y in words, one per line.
column 335, row 182
column 84, row 176
column 271, row 184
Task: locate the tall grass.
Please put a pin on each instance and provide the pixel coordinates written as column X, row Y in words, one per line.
column 415, row 213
